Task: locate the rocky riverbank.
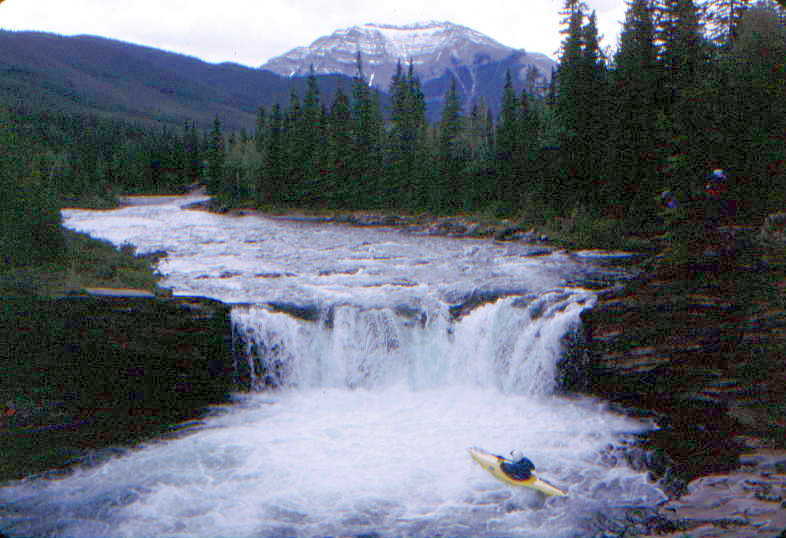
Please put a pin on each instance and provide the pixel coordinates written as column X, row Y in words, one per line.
column 424, row 224
column 698, row 346
column 104, row 368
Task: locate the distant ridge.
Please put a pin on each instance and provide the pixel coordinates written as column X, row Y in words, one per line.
column 436, row 49
column 433, row 47
column 110, row 78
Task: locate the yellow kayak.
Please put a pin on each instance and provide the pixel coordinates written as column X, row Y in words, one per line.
column 506, row 470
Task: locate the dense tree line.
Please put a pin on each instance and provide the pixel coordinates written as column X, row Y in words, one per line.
column 348, row 155
column 50, row 159
column 690, row 87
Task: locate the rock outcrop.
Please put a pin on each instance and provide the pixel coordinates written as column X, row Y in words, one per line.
column 748, row 501
column 104, row 368
column 698, row 346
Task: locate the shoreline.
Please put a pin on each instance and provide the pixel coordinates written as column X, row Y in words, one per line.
column 688, row 512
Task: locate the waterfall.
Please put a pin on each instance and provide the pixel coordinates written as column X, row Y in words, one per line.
column 511, row 344
column 374, row 360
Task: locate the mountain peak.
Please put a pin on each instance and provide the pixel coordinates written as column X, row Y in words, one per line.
column 432, row 46
column 439, row 51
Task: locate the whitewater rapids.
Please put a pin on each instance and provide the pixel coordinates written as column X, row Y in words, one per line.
column 412, row 349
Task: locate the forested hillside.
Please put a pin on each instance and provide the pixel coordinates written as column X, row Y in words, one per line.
column 117, row 80
column 689, row 88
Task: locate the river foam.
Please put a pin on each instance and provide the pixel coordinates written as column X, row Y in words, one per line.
column 327, row 462
column 394, row 355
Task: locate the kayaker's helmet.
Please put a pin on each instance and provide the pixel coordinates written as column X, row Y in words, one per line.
column 718, row 175
column 519, row 459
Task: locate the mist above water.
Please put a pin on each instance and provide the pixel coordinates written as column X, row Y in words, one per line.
column 377, row 358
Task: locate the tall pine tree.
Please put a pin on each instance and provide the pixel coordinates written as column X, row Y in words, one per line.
column 339, row 146
column 451, row 155
column 407, row 170
column 634, row 101
column 216, row 156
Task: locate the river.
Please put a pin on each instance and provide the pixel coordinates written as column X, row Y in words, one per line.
column 375, row 359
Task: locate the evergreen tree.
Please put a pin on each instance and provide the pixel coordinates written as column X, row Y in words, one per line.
column 682, row 50
column 481, row 175
column 339, row 147
column 192, row 158
column 216, row 156
column 753, row 112
column 529, row 187
column 294, row 137
column 270, row 188
column 581, row 106
column 29, row 211
column 569, row 90
column 366, row 154
column 312, row 142
column 507, row 147
column 452, row 154
column 261, row 131
column 570, row 102
column 593, row 129
column 534, row 82
column 723, row 17
column 683, row 125
column 407, row 140
column 634, row 107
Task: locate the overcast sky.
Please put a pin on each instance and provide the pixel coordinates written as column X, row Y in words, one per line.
column 251, row 32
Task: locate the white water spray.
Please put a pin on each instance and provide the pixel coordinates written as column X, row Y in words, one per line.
column 368, row 393
column 511, row 345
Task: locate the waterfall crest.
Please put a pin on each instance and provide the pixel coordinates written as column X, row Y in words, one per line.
column 375, row 358
column 512, row 344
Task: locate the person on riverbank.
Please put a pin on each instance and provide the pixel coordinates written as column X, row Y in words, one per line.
column 693, row 225
column 715, row 199
column 7, row 411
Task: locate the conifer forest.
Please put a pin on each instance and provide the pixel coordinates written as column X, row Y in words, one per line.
column 690, row 86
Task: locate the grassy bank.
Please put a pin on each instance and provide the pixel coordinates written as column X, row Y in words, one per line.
column 80, row 374
column 86, row 263
column 577, row 230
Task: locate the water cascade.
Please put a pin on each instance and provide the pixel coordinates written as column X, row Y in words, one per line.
column 511, row 345
column 373, row 359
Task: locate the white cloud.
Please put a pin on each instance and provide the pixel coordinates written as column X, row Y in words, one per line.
column 250, row 31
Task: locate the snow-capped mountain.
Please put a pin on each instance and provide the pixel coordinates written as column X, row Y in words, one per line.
column 435, row 49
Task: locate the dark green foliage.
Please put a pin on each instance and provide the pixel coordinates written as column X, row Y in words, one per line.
column 50, row 159
column 216, row 157
column 582, row 100
column 365, row 153
column 634, row 105
column 452, row 156
column 606, row 138
column 311, row 143
column 507, row 141
column 337, row 158
column 29, row 206
column 407, row 141
column 753, row 120
column 272, row 180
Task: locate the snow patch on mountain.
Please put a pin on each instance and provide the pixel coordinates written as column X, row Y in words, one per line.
column 438, row 51
column 431, row 46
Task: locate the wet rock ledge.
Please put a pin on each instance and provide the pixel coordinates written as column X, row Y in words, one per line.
column 698, row 346
column 103, row 368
